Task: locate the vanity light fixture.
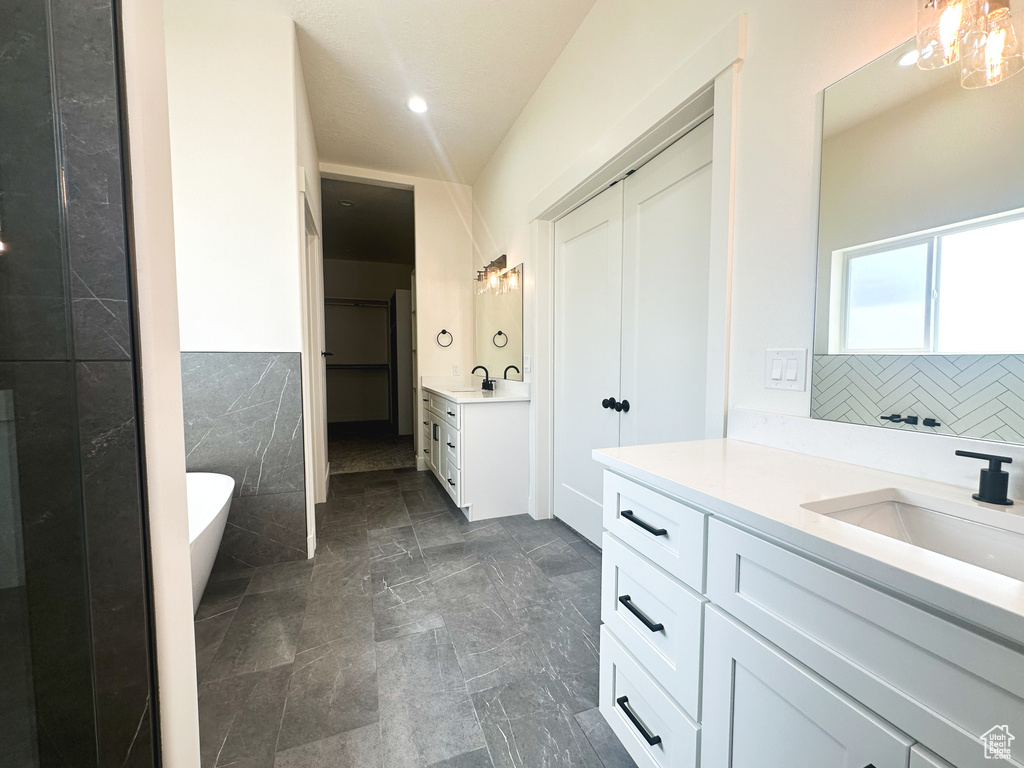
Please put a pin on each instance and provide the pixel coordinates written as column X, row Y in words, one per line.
column 978, row 34
column 990, row 52
column 417, row 105
column 941, row 25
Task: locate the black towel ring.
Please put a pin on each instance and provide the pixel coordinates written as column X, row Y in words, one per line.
column 445, row 333
column 494, row 339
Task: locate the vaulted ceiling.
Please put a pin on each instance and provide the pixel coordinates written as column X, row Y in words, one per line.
column 475, row 62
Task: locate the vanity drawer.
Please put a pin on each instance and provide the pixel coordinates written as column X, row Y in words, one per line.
column 655, row 712
column 436, row 403
column 671, row 654
column 664, row 530
column 452, row 414
column 451, row 479
column 452, row 439
column 944, row 685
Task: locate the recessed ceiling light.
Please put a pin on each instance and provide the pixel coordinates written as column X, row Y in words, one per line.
column 346, row 203
column 909, row 58
column 416, row 104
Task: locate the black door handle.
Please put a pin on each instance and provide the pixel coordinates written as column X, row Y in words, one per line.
column 435, row 433
column 624, row 599
column 608, row 402
column 628, row 514
column 326, row 354
column 652, row 740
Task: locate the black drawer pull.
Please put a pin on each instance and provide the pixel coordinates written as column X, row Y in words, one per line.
column 425, row 423
column 628, row 514
column 624, row 599
column 451, row 482
column 450, row 446
column 426, row 450
column 652, row 740
column 450, row 413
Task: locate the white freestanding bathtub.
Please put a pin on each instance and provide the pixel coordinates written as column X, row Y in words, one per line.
column 209, row 499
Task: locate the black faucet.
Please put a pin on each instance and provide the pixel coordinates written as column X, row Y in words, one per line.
column 505, row 375
column 488, row 381
column 994, row 481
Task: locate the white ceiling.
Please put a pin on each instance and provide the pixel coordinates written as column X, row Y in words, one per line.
column 476, row 62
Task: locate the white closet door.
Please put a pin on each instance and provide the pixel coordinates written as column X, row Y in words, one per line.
column 666, row 251
column 588, row 303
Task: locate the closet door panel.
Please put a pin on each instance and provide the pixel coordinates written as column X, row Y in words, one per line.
column 666, row 252
column 588, row 302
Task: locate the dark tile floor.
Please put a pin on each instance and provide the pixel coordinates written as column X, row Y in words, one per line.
column 414, row 638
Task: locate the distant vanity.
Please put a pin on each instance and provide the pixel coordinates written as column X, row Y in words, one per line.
column 477, row 444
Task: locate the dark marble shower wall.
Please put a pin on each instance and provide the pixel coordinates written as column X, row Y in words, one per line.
column 243, row 418
column 67, row 360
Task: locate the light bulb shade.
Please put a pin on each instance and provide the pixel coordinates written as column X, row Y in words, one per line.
column 941, row 25
column 991, row 51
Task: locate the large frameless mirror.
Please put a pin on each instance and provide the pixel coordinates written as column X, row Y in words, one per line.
column 921, row 252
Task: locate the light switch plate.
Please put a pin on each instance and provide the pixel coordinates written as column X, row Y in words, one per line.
column 786, row 369
column 456, row 369
column 527, row 364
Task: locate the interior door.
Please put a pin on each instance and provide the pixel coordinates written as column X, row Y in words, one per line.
column 762, row 709
column 665, row 264
column 588, row 304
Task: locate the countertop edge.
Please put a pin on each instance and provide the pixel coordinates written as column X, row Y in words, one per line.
column 463, row 400
column 943, row 598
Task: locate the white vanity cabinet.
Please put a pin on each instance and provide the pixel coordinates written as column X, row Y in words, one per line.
column 736, row 651
column 763, row 709
column 478, row 449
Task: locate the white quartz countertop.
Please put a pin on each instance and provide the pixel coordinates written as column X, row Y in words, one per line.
column 763, row 488
column 466, row 395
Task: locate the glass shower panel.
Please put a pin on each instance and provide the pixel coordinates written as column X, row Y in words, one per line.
column 75, row 648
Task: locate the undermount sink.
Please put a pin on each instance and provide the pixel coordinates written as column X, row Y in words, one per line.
column 467, row 389
column 987, row 537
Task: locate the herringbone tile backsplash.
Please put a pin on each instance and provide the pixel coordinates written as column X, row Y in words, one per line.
column 970, row 395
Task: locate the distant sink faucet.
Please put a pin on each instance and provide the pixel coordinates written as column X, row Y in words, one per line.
column 488, row 381
column 994, row 481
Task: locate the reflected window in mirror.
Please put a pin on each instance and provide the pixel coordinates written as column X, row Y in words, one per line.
column 921, row 251
column 950, row 292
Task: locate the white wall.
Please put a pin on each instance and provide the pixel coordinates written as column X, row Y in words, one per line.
column 149, row 148
column 623, row 50
column 364, row 279
column 239, row 128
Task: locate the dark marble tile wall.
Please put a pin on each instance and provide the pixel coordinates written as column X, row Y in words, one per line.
column 243, row 418
column 66, row 358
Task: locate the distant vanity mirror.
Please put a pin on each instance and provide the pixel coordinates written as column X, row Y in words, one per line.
column 499, row 320
column 921, row 251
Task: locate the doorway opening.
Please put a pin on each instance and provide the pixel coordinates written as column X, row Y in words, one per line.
column 369, row 346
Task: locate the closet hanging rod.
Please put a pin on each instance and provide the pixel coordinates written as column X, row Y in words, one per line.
column 357, row 302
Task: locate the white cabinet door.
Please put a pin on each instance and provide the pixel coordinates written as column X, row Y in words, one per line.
column 762, row 709
column 665, row 266
column 588, row 302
